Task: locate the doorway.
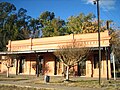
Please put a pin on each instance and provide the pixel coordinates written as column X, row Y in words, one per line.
column 39, row 65
column 82, row 68
column 22, row 64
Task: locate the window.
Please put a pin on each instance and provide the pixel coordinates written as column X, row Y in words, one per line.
column 41, row 60
column 13, row 62
column 96, row 61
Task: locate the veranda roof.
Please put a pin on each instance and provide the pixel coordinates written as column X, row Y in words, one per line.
column 25, row 52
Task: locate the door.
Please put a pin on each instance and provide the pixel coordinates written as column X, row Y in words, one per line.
column 22, row 64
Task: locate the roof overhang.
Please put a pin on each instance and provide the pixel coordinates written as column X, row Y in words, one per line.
column 36, row 51
column 25, row 52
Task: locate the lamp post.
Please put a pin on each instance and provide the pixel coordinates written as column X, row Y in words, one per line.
column 98, row 15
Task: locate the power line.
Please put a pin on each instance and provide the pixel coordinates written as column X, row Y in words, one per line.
column 111, row 14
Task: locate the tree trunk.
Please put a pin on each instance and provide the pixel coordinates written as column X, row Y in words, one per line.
column 67, row 74
column 7, row 71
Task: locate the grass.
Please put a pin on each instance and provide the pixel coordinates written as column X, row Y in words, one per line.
column 84, row 83
column 56, row 80
column 11, row 78
column 13, row 87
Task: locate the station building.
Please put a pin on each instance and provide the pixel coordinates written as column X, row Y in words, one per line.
column 33, row 56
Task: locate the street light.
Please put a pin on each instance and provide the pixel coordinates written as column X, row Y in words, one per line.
column 98, row 15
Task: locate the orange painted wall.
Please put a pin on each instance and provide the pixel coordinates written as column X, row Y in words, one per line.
column 88, row 40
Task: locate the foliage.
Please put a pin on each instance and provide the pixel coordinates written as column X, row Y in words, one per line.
column 13, row 26
column 83, row 24
column 115, row 45
column 51, row 26
column 34, row 27
column 6, row 23
column 115, row 41
column 22, row 24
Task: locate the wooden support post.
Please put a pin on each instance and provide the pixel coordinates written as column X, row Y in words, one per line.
column 37, row 65
column 17, row 66
column 106, row 49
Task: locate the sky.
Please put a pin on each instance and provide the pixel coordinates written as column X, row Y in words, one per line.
column 109, row 9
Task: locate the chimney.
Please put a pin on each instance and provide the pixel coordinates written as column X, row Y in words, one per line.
column 107, row 25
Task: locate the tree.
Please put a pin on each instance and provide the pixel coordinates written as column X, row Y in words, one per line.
column 35, row 28
column 8, row 62
column 83, row 24
column 115, row 44
column 13, row 26
column 23, row 24
column 51, row 26
column 7, row 19
column 71, row 54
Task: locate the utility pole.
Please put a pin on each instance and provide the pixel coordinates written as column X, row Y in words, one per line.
column 99, row 46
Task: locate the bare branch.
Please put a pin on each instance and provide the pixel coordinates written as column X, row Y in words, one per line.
column 72, row 53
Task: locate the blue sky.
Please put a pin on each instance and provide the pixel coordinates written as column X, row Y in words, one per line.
column 109, row 9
